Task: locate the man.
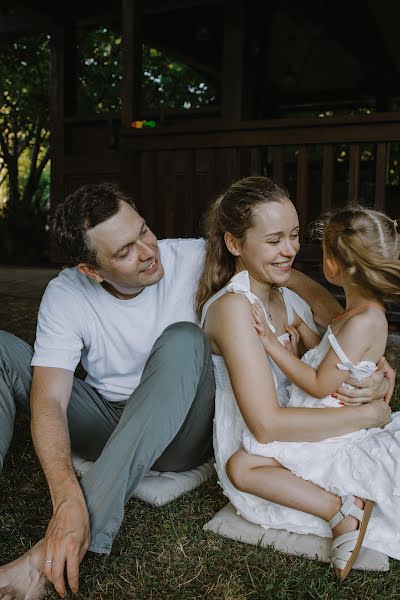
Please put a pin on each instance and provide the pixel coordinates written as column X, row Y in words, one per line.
column 126, row 311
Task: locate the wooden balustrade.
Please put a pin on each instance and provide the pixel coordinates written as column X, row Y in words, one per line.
column 175, row 171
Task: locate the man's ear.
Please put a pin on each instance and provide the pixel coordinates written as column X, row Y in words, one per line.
column 232, row 244
column 90, row 272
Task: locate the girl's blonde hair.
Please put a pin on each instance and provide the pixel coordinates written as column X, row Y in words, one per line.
column 232, row 212
column 367, row 243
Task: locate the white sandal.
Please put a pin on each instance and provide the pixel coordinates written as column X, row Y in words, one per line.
column 346, row 547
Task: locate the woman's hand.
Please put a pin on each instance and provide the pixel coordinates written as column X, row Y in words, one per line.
column 390, row 377
column 379, row 385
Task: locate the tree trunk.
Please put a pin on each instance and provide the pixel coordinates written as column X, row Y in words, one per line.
column 14, row 196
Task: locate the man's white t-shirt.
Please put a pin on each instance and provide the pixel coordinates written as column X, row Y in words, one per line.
column 79, row 320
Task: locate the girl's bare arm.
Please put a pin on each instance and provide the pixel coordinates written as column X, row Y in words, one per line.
column 254, row 387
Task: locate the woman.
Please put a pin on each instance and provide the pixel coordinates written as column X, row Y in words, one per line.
column 252, row 239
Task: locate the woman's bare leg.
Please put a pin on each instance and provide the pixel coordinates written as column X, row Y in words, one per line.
column 266, row 478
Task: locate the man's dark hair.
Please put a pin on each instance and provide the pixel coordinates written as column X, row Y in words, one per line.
column 84, row 209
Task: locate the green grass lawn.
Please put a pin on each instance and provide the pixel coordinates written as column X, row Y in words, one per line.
column 164, row 553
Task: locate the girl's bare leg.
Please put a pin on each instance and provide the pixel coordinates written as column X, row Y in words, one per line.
column 266, row 478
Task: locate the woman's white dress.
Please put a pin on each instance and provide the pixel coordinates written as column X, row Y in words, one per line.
column 364, row 463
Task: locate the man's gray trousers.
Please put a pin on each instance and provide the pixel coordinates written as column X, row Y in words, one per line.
column 166, row 423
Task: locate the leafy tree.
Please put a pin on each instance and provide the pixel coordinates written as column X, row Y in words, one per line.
column 24, row 118
column 167, row 82
column 24, row 146
column 170, row 83
column 99, row 70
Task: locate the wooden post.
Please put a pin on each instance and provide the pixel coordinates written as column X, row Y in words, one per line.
column 56, row 102
column 354, row 173
column 278, row 164
column 381, row 174
column 70, row 70
column 232, row 62
column 328, row 172
column 132, row 61
column 302, row 189
column 256, row 35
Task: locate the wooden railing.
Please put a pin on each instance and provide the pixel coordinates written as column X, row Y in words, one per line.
column 175, row 172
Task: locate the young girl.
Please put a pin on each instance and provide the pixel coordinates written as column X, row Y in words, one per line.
column 361, row 254
column 252, row 240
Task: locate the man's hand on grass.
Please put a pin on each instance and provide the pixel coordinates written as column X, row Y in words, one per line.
column 66, row 543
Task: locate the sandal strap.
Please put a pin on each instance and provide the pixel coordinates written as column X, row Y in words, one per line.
column 342, row 548
column 345, row 540
column 349, row 507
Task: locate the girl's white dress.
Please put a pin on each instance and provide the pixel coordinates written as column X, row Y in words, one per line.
column 364, row 463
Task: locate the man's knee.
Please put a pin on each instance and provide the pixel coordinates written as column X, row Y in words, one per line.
column 11, row 345
column 8, row 342
column 6, row 338
column 185, row 338
column 185, row 330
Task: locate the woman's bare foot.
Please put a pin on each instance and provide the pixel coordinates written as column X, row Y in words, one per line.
column 23, row 579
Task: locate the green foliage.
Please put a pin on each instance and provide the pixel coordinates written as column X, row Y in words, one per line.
column 167, row 82
column 99, row 71
column 24, row 147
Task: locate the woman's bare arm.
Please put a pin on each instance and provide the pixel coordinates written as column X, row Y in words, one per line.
column 254, row 388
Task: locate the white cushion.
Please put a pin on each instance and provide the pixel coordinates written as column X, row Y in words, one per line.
column 229, row 524
column 158, row 488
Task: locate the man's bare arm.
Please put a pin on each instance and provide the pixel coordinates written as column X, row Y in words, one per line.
column 323, row 305
column 68, row 533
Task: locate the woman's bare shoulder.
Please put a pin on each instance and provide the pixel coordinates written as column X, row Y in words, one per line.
column 228, row 316
column 230, row 301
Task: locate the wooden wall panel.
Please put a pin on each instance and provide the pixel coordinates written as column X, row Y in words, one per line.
column 381, row 174
column 90, row 138
column 148, row 187
column 185, row 176
column 354, row 173
column 302, row 189
column 166, row 194
column 204, row 191
column 327, row 177
column 278, row 164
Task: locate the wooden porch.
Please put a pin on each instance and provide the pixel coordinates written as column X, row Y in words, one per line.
column 174, row 172
column 176, row 169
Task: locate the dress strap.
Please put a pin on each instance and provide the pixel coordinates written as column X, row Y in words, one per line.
column 239, row 284
column 345, row 362
column 288, row 305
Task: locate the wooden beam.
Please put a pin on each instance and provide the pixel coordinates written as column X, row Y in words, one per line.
column 132, row 61
column 232, row 61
